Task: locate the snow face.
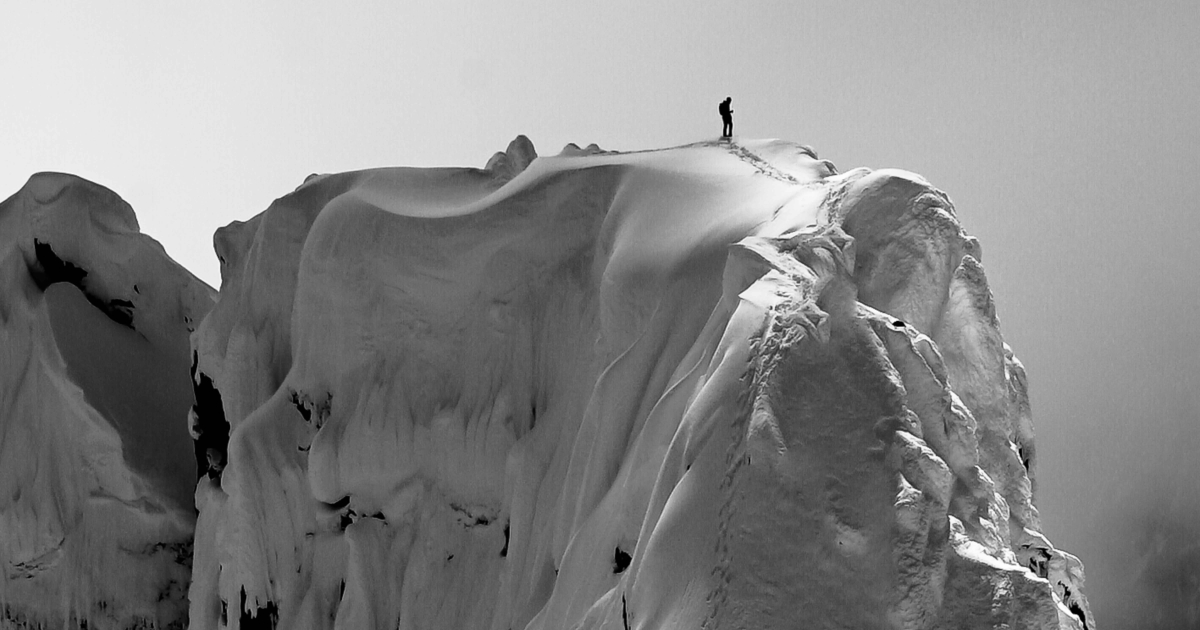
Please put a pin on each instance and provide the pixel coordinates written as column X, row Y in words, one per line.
column 96, row 471
column 716, row 386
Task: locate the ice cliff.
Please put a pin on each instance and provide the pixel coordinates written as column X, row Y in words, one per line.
column 96, row 466
column 714, row 386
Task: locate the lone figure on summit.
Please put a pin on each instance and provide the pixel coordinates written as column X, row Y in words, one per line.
column 726, row 118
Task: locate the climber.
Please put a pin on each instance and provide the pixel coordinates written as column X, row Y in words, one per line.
column 726, row 117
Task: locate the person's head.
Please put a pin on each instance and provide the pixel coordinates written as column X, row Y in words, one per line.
column 728, row 99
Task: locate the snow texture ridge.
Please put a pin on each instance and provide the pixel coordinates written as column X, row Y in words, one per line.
column 717, row 386
column 96, row 473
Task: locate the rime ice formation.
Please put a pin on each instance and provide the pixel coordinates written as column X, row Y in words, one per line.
column 96, row 467
column 715, row 386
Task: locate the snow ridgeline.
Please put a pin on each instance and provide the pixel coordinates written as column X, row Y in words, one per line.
column 714, row 386
column 96, row 466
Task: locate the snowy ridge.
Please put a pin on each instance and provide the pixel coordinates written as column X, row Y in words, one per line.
column 96, row 470
column 712, row 386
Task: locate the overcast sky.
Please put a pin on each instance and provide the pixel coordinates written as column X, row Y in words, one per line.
column 1066, row 134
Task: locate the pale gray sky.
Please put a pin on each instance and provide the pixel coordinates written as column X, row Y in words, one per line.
column 1065, row 132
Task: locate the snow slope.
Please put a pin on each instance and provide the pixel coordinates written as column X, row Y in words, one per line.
column 719, row 386
column 96, row 470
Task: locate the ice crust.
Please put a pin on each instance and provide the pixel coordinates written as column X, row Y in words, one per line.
column 714, row 386
column 96, row 469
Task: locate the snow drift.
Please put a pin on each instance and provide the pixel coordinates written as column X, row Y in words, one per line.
column 96, row 467
column 719, row 385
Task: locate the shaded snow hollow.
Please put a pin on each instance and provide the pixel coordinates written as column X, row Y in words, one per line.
column 713, row 386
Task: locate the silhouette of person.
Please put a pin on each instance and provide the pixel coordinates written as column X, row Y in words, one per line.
column 726, row 117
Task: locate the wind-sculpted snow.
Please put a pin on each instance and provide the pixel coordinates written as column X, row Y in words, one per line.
column 714, row 386
column 96, row 468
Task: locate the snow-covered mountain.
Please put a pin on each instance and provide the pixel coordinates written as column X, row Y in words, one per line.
column 719, row 385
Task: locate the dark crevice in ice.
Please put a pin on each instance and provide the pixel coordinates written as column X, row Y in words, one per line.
column 1038, row 562
column 473, row 516
column 209, row 425
column 314, row 412
column 51, row 269
column 621, row 560
column 263, row 618
column 1074, row 606
column 303, row 409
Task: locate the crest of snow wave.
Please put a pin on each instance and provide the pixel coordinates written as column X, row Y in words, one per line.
column 712, row 386
column 96, row 473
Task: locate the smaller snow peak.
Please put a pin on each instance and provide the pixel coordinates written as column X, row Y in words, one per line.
column 231, row 243
column 521, row 149
column 62, row 192
column 516, row 158
column 573, row 150
column 46, row 188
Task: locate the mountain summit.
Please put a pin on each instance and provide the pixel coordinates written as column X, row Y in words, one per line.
column 720, row 385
